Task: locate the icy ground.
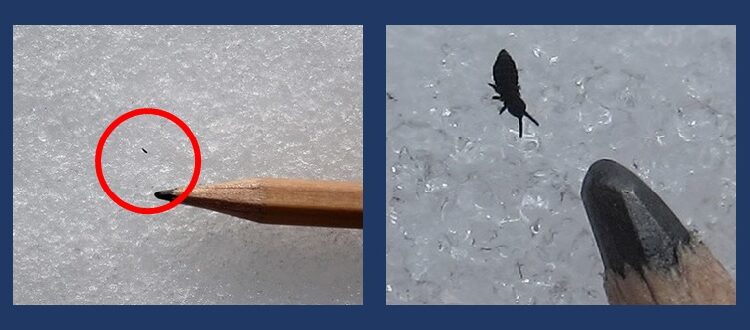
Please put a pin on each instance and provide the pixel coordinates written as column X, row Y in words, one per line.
column 478, row 216
column 262, row 101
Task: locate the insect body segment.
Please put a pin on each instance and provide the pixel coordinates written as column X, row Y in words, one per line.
column 505, row 75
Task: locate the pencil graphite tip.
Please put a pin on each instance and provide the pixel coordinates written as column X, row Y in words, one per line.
column 632, row 225
column 165, row 195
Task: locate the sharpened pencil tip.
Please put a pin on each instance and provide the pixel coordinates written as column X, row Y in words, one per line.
column 631, row 223
column 165, row 195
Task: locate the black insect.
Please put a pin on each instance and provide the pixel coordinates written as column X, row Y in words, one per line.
column 144, row 151
column 506, row 84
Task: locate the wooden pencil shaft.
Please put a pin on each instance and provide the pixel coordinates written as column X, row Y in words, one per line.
column 697, row 279
column 284, row 201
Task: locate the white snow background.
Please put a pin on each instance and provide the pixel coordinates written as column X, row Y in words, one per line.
column 478, row 216
column 263, row 101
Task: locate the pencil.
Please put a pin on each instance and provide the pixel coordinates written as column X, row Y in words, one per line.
column 295, row 202
column 649, row 257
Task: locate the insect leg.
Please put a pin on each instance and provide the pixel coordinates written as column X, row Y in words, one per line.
column 532, row 119
column 496, row 97
column 492, row 85
column 503, row 109
column 520, row 127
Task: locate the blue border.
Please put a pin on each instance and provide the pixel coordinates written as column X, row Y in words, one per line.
column 374, row 166
column 374, row 16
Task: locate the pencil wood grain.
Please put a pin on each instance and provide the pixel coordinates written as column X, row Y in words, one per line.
column 282, row 201
column 697, row 279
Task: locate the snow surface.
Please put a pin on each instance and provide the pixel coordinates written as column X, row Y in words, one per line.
column 478, row 216
column 262, row 101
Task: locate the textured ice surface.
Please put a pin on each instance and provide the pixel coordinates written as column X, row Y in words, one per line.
column 262, row 101
column 477, row 215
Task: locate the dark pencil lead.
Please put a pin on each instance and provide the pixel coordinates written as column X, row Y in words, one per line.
column 632, row 225
column 167, row 195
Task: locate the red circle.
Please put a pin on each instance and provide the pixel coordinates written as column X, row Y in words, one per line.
column 122, row 119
